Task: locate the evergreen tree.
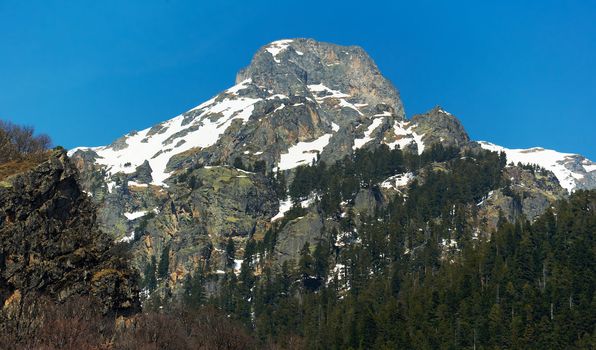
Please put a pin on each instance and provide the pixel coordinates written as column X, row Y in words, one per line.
column 230, row 252
column 194, row 294
column 164, row 263
column 150, row 278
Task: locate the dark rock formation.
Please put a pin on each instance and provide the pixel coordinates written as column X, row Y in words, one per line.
column 50, row 243
column 439, row 126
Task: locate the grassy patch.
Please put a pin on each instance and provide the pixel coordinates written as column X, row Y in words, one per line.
column 14, row 167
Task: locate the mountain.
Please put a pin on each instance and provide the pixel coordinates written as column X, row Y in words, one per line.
column 298, row 209
column 184, row 187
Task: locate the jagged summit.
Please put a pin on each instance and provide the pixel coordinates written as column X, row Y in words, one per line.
column 304, row 63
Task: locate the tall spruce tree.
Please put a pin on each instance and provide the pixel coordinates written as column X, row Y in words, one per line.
column 164, row 263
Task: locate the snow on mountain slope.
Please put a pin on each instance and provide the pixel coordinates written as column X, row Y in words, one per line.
column 359, row 143
column 572, row 170
column 398, row 181
column 159, row 143
column 303, row 153
column 406, row 135
column 276, row 47
column 297, row 98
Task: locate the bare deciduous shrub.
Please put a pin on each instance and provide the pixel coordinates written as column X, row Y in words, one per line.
column 75, row 324
column 205, row 328
column 40, row 323
column 19, row 142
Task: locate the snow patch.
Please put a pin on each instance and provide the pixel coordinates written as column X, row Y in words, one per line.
column 589, row 167
column 276, row 47
column 237, row 265
column 157, row 148
column 240, row 86
column 398, row 181
column 286, row 204
column 319, row 88
column 339, row 271
column 405, row 135
column 358, row 143
column 449, row 243
column 303, row 153
column 322, row 92
column 282, row 106
column 137, row 214
column 284, row 207
column 488, row 196
column 384, row 114
column 334, row 127
column 546, row 158
column 128, row 238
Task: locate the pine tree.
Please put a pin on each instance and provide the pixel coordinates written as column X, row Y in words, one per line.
column 306, row 268
column 150, row 280
column 320, row 257
column 164, row 263
column 194, row 294
column 230, row 253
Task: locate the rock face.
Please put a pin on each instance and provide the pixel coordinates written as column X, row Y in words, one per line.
column 439, row 126
column 50, row 242
column 306, row 64
column 530, row 193
column 297, row 98
column 198, row 215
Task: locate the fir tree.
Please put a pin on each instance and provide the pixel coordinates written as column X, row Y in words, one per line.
column 150, row 278
column 164, row 263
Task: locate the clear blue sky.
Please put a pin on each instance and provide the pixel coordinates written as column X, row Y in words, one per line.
column 518, row 73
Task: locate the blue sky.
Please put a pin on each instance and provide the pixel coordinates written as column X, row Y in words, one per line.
column 517, row 73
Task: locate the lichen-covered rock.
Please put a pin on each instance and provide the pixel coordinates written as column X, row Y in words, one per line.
column 529, row 193
column 368, row 200
column 202, row 209
column 440, row 126
column 50, row 242
column 296, row 233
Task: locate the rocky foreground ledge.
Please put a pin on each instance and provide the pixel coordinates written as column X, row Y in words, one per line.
column 50, row 243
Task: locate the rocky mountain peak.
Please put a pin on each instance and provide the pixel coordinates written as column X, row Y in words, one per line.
column 297, row 98
column 304, row 67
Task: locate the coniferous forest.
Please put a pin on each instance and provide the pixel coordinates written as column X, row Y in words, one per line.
column 401, row 283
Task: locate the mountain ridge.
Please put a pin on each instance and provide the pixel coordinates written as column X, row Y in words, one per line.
column 289, row 74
